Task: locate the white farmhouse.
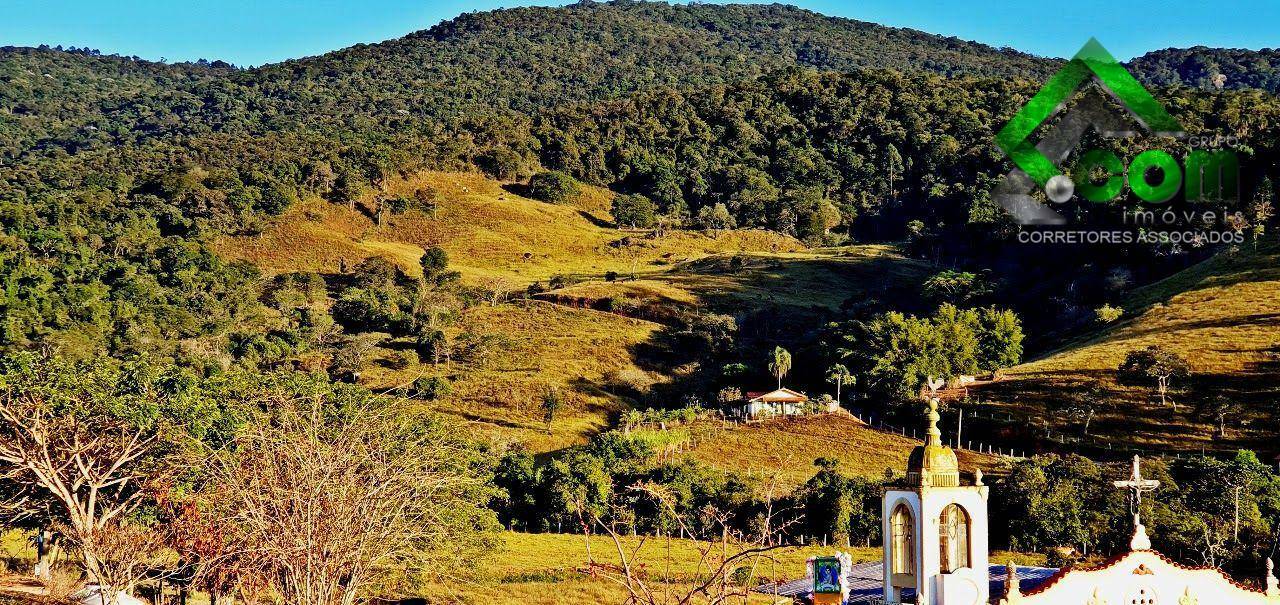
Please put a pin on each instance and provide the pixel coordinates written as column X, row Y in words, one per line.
column 780, row 402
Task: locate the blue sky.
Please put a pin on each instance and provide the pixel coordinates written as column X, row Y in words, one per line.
column 253, row 32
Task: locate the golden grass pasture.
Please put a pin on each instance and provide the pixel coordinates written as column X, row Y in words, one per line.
column 785, row 449
column 1222, row 315
column 489, row 233
column 538, row 345
column 798, row 280
column 541, row 569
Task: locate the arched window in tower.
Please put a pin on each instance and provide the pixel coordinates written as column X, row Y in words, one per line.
column 954, row 543
column 903, row 558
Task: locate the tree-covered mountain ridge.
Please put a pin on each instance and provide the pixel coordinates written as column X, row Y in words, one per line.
column 114, row 171
column 480, row 74
column 477, row 68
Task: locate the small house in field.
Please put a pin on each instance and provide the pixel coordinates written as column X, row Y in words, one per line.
column 761, row 404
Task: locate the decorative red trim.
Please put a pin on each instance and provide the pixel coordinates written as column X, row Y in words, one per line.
column 1114, row 560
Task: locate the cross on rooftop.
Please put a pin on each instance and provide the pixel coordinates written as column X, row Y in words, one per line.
column 1137, row 485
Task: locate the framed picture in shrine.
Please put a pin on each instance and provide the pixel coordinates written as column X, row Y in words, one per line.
column 826, row 575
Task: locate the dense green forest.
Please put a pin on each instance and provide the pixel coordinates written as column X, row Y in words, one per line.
column 1211, row 68
column 116, row 173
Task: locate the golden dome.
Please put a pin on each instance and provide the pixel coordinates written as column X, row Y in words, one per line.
column 933, row 464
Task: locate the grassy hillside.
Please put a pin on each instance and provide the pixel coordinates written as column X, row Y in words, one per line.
column 786, row 448
column 499, row 239
column 540, row 568
column 798, row 280
column 489, row 233
column 538, row 345
column 1222, row 315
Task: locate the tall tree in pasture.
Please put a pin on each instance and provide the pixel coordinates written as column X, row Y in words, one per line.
column 551, row 404
column 1086, row 404
column 840, row 376
column 715, row 219
column 1218, row 409
column 1155, row 365
column 634, row 211
column 779, row 363
column 1000, row 337
column 434, row 261
column 331, row 494
column 554, row 187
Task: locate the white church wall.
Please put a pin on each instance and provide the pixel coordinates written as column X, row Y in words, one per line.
column 974, row 502
column 963, row 587
column 970, row 586
column 890, row 503
column 1143, row 577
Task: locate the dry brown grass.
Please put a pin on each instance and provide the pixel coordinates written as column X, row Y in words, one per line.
column 787, row 447
column 1222, row 315
column 488, row 233
column 540, row 569
column 542, row 344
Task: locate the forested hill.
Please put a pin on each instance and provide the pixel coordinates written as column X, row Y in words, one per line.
column 115, row 171
column 537, row 57
column 481, row 73
column 476, row 69
column 1209, row 68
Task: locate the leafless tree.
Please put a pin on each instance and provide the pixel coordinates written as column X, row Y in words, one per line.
column 123, row 552
column 496, row 290
column 321, row 510
column 717, row 578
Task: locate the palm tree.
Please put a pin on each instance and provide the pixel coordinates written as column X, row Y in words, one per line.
column 840, row 376
column 780, row 364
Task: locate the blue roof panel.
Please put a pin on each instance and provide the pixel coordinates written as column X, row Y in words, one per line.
column 866, row 583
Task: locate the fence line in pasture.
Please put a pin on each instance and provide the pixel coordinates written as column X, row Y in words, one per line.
column 1059, row 442
column 980, row 447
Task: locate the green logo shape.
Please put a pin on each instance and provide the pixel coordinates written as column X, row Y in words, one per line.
column 1092, row 60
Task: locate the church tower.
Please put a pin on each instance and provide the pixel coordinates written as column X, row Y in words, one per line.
column 935, row 529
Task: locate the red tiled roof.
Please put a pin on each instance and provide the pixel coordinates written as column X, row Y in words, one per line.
column 783, row 395
column 1115, row 560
